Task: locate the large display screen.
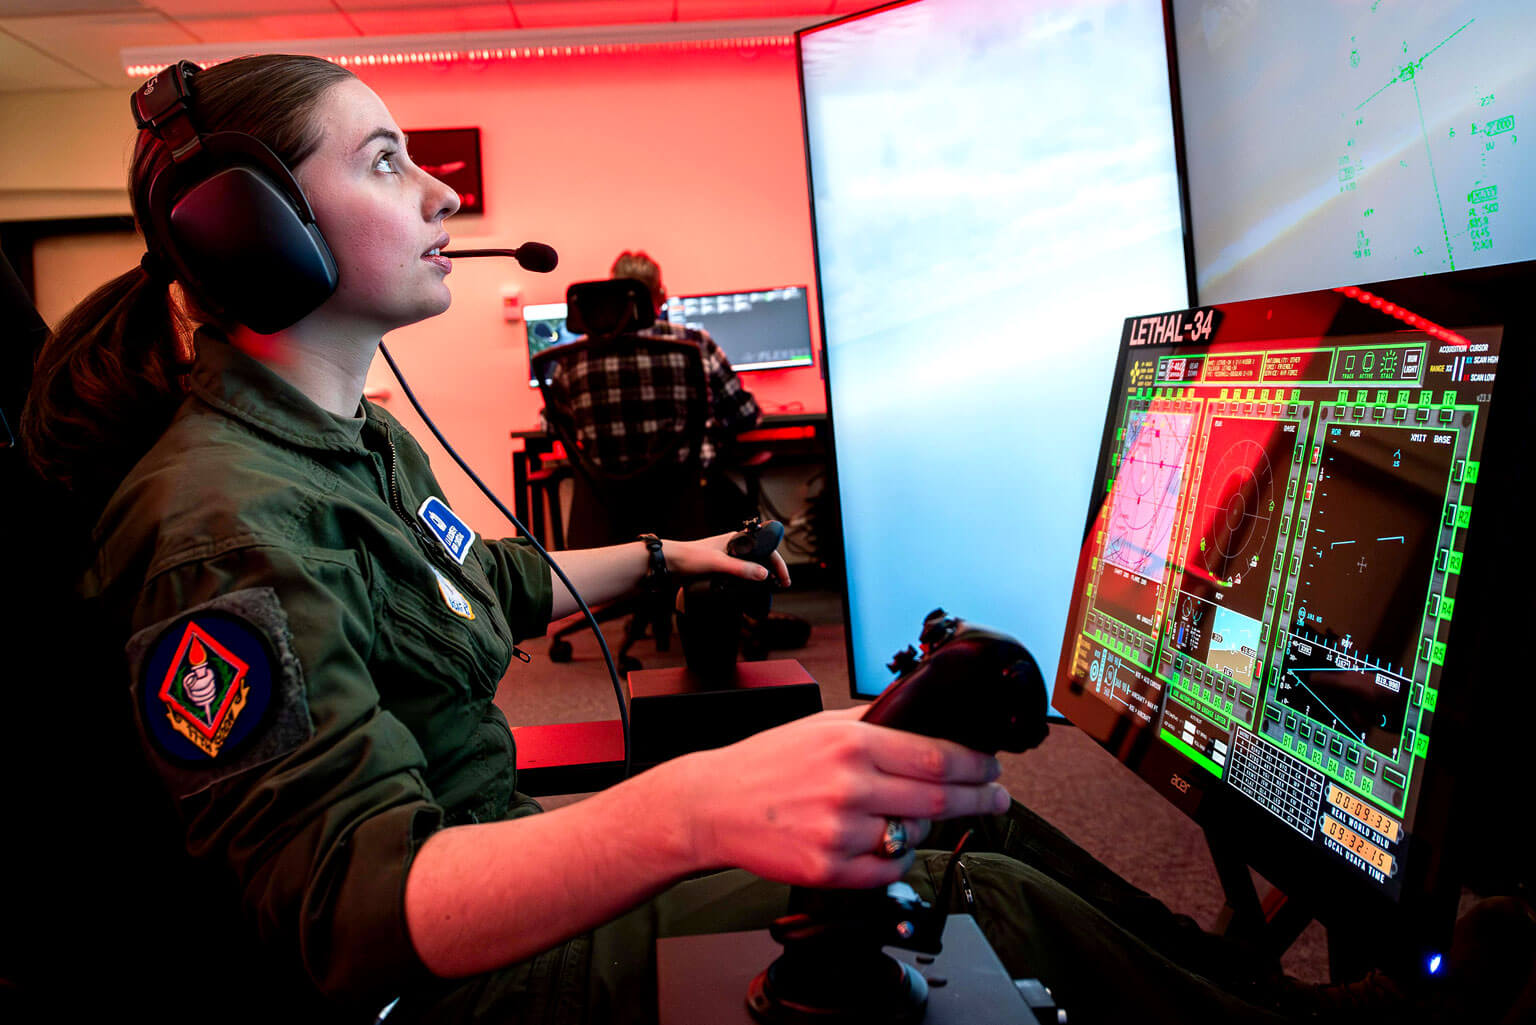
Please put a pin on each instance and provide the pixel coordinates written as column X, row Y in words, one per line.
column 1334, row 142
column 1264, row 604
column 994, row 187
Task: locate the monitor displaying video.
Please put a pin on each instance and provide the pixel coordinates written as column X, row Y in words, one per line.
column 1330, row 143
column 545, row 324
column 761, row 329
column 995, row 187
column 1263, row 618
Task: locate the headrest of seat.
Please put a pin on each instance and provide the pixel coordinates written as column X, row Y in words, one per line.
column 602, row 309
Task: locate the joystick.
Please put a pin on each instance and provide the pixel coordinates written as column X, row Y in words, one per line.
column 711, row 611
column 971, row 685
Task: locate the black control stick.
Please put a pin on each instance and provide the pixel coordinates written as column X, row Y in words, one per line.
column 711, row 611
column 971, row 685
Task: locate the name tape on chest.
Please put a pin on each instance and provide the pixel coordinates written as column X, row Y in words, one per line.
column 451, row 532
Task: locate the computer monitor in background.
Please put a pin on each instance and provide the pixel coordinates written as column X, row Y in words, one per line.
column 1332, row 142
column 761, row 329
column 545, row 324
column 1296, row 614
column 994, row 188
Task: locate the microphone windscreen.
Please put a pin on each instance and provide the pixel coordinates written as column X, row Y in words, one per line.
column 537, row 257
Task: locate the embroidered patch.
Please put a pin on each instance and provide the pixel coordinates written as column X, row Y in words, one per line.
column 453, row 597
column 453, row 533
column 218, row 689
column 207, row 688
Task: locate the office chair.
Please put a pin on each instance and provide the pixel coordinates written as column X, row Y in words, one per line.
column 64, row 906
column 623, row 489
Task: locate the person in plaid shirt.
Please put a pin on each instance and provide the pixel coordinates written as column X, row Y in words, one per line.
column 617, row 401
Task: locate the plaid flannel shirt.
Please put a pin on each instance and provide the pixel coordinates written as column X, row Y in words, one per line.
column 620, row 402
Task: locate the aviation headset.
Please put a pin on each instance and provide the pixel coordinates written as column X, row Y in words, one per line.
column 226, row 218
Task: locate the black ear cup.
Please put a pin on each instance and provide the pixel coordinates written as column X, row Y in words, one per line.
column 229, row 219
column 239, row 241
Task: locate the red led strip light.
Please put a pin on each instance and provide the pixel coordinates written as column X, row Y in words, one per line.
column 481, row 55
column 1405, row 315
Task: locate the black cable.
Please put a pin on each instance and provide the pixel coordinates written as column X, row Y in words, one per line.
column 602, row 642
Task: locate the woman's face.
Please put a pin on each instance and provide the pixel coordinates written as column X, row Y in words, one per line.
column 381, row 215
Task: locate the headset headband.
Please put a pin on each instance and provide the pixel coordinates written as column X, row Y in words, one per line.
column 163, row 105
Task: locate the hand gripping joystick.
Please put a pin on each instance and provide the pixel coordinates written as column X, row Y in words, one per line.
column 971, row 685
column 711, row 611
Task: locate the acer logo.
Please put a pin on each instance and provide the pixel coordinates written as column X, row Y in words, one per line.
column 1179, row 783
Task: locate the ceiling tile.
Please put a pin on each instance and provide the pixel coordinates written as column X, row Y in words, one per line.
column 327, row 24
column 92, row 42
column 32, row 8
column 561, row 13
column 22, row 67
column 252, row 8
column 411, row 17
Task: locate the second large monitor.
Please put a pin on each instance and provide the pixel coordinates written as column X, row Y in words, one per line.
column 757, row 329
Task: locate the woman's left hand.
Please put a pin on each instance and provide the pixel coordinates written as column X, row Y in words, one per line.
column 708, row 555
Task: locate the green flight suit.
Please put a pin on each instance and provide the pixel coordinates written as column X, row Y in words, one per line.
column 290, row 539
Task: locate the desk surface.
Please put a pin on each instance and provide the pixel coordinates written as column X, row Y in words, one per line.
column 769, row 420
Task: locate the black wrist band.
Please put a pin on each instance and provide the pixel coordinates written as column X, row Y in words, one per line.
column 656, row 575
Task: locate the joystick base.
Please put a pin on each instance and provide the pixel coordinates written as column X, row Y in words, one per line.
column 703, row 980
column 888, row 992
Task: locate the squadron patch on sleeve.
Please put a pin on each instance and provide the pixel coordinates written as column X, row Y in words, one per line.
column 218, row 689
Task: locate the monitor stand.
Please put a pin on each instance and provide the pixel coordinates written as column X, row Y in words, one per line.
column 1269, row 926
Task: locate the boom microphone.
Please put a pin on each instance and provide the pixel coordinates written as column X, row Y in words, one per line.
column 534, row 256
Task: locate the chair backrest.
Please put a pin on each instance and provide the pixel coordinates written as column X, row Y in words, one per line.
column 23, row 331
column 647, row 477
column 608, row 307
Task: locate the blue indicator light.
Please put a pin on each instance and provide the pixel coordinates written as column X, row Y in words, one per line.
column 1434, row 963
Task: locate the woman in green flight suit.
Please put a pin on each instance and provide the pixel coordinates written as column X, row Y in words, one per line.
column 311, row 656
column 307, row 641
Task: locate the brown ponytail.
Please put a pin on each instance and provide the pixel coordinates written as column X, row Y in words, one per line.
column 111, row 376
column 105, row 385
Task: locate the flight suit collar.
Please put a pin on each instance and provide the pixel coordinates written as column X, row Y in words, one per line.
column 249, row 391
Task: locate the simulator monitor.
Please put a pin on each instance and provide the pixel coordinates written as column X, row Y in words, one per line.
column 994, row 187
column 1292, row 612
column 1329, row 143
column 761, row 329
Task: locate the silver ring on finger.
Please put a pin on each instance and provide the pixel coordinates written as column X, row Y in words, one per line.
column 893, row 842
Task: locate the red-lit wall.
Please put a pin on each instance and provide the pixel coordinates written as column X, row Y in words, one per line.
column 697, row 158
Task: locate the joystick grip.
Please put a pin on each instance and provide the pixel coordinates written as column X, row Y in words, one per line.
column 978, row 688
column 757, row 544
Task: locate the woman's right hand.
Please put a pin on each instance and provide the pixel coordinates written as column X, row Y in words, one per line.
column 806, row 803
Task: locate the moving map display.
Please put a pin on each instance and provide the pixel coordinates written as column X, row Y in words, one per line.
column 1266, row 591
